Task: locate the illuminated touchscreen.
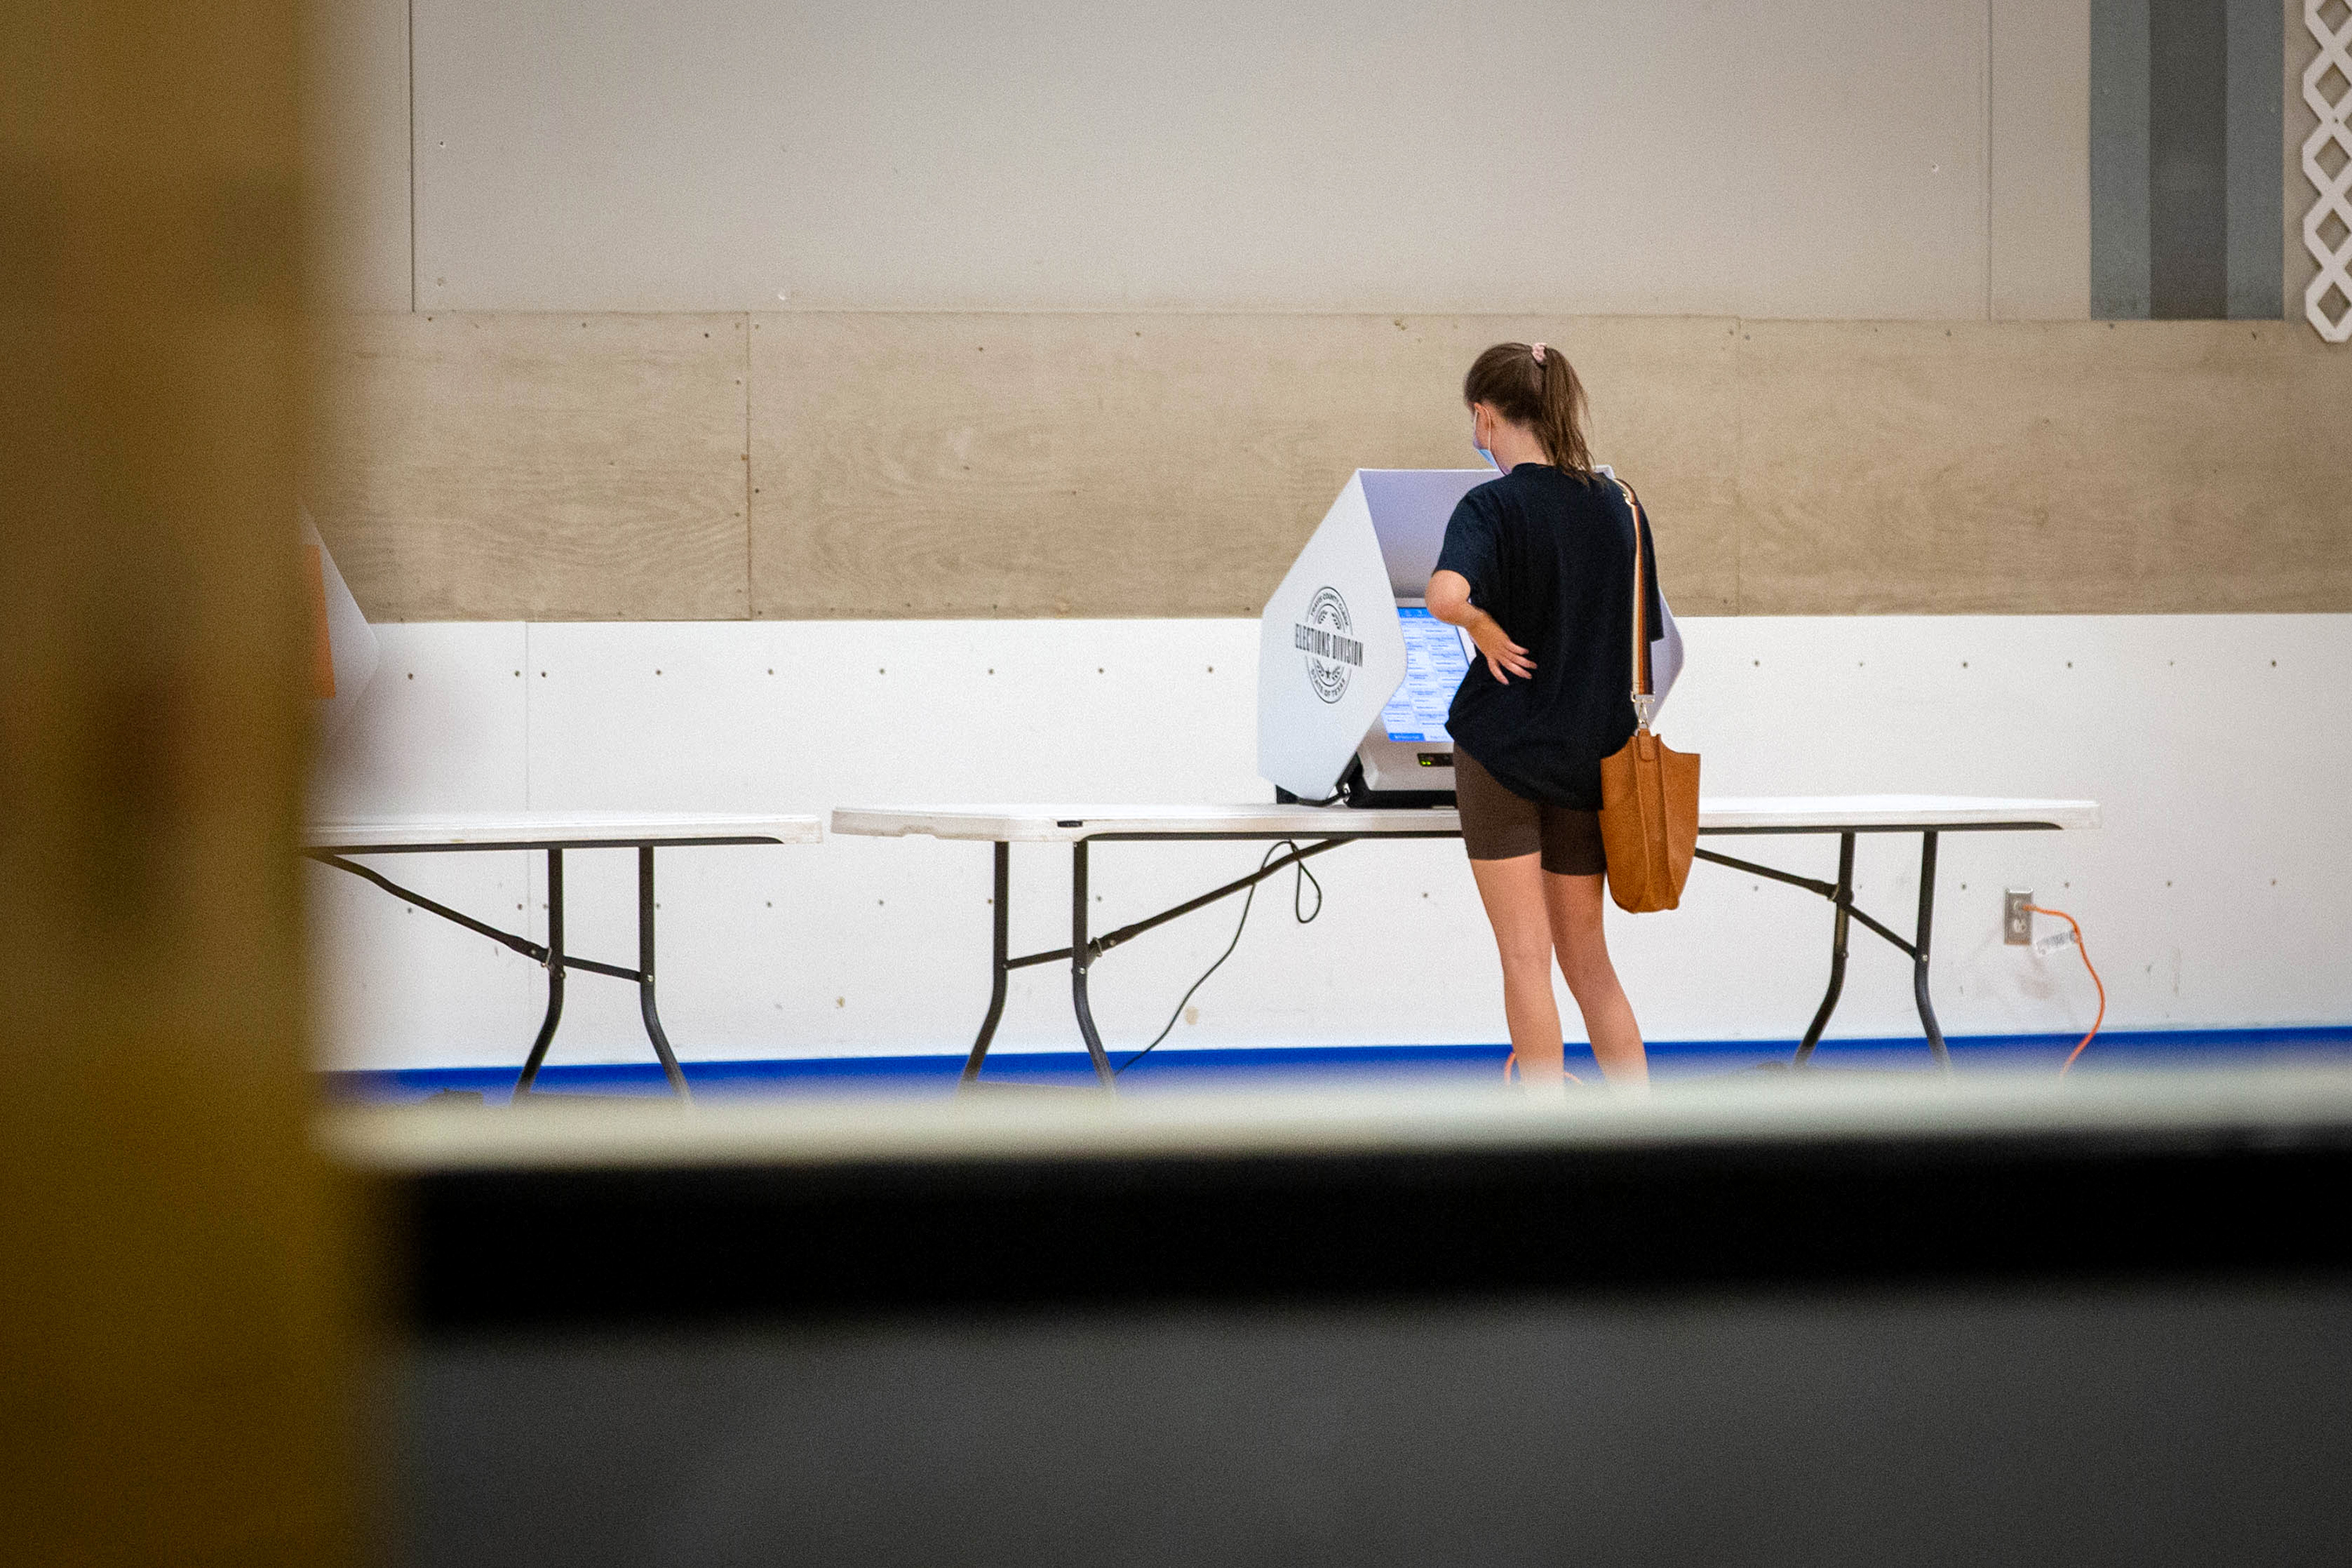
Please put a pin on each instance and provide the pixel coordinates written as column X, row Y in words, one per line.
column 1435, row 663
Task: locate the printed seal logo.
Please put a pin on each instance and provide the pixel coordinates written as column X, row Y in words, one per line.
column 1332, row 656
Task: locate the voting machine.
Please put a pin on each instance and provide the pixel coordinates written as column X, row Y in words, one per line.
column 1355, row 675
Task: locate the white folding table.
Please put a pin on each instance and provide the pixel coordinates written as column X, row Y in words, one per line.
column 332, row 844
column 1848, row 816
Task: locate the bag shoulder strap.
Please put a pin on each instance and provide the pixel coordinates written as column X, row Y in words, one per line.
column 1642, row 700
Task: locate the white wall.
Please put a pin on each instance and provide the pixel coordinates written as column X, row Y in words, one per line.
column 2217, row 894
column 1763, row 158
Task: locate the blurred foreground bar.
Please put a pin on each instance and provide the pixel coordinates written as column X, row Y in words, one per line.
column 176, row 1289
column 1824, row 1321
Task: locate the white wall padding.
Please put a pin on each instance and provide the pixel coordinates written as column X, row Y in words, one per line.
column 2216, row 895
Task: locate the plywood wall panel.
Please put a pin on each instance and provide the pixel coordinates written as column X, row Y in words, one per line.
column 1159, row 464
column 2124, row 467
column 950, row 465
column 533, row 467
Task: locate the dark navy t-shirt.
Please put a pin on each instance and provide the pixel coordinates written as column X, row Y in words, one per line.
column 1550, row 557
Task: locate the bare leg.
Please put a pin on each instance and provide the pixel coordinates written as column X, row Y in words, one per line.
column 1513, row 890
column 1574, row 904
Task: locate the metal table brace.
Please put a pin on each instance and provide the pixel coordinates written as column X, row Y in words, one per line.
column 551, row 956
column 1083, row 952
column 1841, row 893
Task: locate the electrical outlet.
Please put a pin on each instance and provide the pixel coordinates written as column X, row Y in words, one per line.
column 2016, row 920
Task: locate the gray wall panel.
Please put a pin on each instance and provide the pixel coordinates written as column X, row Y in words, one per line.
column 2040, row 228
column 2257, row 194
column 2188, row 202
column 2186, row 198
column 1765, row 157
column 2118, row 156
column 355, row 112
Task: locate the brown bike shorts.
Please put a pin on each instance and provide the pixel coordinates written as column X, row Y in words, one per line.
column 1498, row 824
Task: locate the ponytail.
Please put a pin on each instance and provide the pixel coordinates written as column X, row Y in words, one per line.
column 1533, row 385
column 1562, row 411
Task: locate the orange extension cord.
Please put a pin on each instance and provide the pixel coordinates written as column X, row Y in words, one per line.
column 2085, row 951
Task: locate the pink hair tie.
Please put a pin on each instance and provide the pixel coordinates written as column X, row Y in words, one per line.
column 1538, row 348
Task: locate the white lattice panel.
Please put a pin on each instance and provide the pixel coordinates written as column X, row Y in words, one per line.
column 2331, row 320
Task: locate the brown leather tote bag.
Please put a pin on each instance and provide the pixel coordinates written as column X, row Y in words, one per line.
column 1649, row 794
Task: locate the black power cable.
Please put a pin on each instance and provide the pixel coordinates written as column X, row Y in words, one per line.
column 1297, row 892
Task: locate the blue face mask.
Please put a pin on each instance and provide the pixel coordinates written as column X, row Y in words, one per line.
column 1481, row 450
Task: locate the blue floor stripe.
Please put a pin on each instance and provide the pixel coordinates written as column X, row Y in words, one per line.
column 1202, row 1067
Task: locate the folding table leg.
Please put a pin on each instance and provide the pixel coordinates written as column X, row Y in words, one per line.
column 998, row 969
column 676, row 1074
column 1079, row 960
column 1844, row 900
column 1920, row 953
column 554, row 974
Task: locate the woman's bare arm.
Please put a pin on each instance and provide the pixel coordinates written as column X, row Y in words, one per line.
column 1449, row 601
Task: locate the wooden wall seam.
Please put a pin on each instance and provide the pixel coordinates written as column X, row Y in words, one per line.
column 750, row 471
column 1738, row 493
column 1010, row 464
